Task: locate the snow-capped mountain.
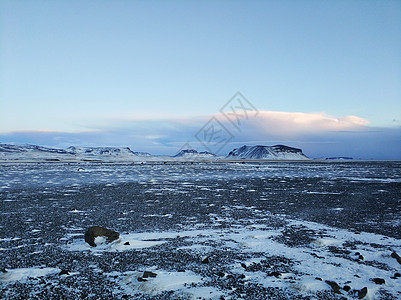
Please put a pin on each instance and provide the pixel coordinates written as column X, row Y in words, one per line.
column 26, row 148
column 103, row 151
column 193, row 154
column 25, row 152
column 38, row 153
column 277, row 152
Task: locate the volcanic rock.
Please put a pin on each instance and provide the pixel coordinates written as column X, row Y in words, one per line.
column 334, row 286
column 96, row 231
column 379, row 280
column 362, row 293
column 148, row 274
column 396, row 256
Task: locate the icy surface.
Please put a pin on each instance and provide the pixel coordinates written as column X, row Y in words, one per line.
column 203, row 230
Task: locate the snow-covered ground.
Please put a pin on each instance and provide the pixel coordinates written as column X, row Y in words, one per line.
column 204, row 230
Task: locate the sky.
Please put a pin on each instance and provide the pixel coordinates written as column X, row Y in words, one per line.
column 324, row 76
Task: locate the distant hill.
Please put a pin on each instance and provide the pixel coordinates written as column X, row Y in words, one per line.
column 193, row 154
column 277, row 152
column 26, row 152
column 38, row 153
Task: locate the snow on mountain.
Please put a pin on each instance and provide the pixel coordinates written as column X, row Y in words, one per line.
column 25, row 152
column 100, row 151
column 11, row 148
column 38, row 153
column 193, row 154
column 277, row 152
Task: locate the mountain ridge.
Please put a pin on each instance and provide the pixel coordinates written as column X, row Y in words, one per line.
column 276, row 152
column 18, row 152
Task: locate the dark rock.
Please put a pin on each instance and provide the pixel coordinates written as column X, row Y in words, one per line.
column 317, row 256
column 125, row 296
column 243, row 265
column 140, row 279
column 346, row 288
column 356, row 275
column 275, row 274
column 334, row 286
column 357, row 253
column 64, row 272
column 379, row 280
column 96, row 231
column 148, row 274
column 361, row 257
column 395, row 275
column 396, row 256
column 205, row 260
column 4, row 270
column 318, row 278
column 181, row 270
column 362, row 293
column 126, row 243
column 220, row 274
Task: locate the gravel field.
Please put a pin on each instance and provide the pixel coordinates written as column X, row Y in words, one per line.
column 217, row 230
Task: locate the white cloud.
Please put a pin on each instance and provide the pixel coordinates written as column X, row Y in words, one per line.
column 301, row 123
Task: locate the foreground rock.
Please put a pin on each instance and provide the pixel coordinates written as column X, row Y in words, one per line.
column 396, row 256
column 93, row 232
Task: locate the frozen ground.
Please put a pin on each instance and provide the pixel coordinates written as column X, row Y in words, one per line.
column 203, row 230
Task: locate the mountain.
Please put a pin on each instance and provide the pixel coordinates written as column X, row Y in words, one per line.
column 24, row 148
column 38, row 153
column 26, row 152
column 193, row 154
column 277, row 152
column 102, row 151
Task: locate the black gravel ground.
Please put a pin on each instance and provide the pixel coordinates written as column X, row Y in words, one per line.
column 356, row 204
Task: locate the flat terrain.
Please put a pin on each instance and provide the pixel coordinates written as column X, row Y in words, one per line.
column 254, row 230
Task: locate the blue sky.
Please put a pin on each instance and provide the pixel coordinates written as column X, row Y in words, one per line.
column 150, row 74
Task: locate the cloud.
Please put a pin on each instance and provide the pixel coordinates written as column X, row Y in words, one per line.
column 318, row 134
column 290, row 123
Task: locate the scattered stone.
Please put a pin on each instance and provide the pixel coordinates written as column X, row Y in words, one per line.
column 4, row 270
column 126, row 243
column 379, row 280
column 395, row 275
column 361, row 257
column 317, row 256
column 357, row 253
column 243, row 265
column 64, row 272
column 275, row 274
column 346, row 288
column 220, row 274
column 148, row 274
column 396, row 256
column 205, row 260
column 334, row 286
column 362, row 293
column 318, row 278
column 140, row 279
column 96, row 231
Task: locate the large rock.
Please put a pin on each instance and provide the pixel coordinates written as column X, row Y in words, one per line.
column 96, row 231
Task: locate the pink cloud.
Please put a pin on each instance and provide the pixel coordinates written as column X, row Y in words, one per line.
column 297, row 122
